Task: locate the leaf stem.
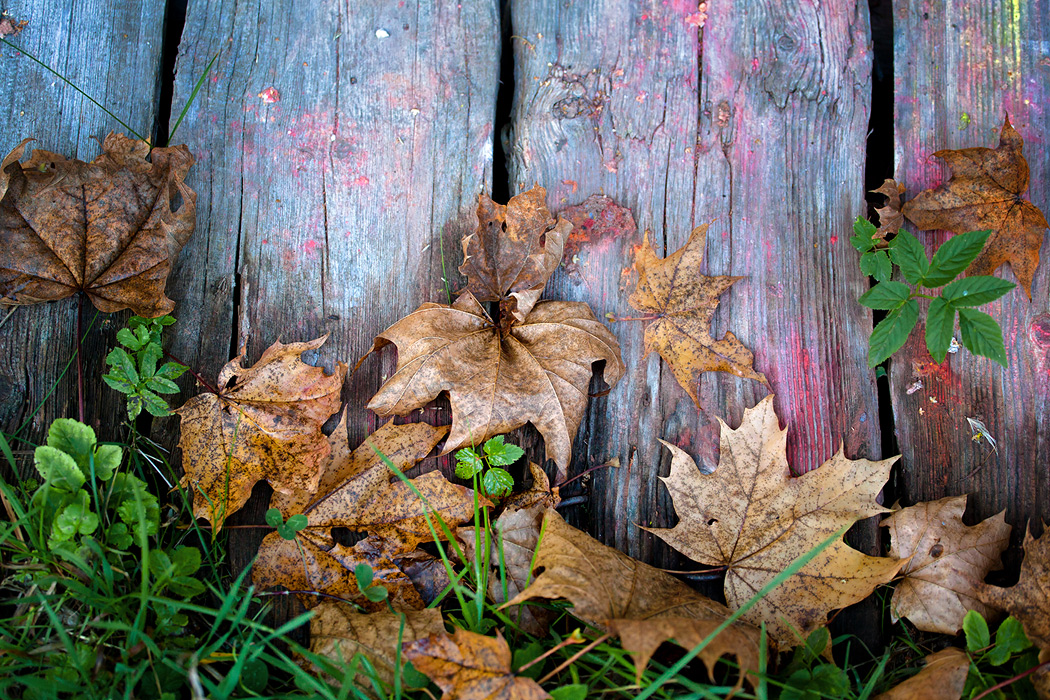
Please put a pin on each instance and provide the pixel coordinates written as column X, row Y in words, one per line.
column 201, row 380
column 80, row 357
column 917, row 295
column 1016, row 678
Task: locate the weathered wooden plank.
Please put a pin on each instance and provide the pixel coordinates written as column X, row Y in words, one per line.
column 112, row 51
column 758, row 128
column 340, row 145
column 980, row 61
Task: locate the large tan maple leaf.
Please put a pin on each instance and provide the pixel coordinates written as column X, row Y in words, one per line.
column 498, row 379
column 984, row 192
column 684, row 301
column 265, row 423
column 947, row 560
column 752, row 517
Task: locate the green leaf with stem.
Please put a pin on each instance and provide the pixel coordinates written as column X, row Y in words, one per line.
column 940, row 324
column 886, row 295
column 976, row 630
column 892, row 332
column 974, row 291
column 500, row 454
column 954, row 256
column 498, row 482
column 910, row 256
column 876, row 263
column 468, row 463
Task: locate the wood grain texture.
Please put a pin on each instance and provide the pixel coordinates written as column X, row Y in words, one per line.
column 757, row 126
column 111, row 50
column 340, row 145
column 979, row 61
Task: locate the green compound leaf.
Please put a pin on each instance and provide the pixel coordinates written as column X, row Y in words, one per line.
column 910, row 256
column 154, row 404
column 127, row 338
column 468, row 463
column 162, row 385
column 500, row 454
column 892, row 332
column 954, row 256
column 120, row 360
column 498, row 482
column 886, row 295
column 864, row 231
column 148, row 360
column 76, row 517
column 981, row 335
column 118, row 383
column 940, row 324
column 171, row 370
column 876, row 263
column 974, row 291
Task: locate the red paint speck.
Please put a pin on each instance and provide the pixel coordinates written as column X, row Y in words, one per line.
column 311, row 246
column 834, row 240
column 270, row 95
column 361, row 181
column 754, row 64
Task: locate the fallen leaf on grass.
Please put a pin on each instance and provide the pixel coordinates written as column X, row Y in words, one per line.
column 110, row 228
column 513, row 252
column 684, row 302
column 1029, row 599
column 754, row 518
column 338, row 632
column 361, row 493
column 265, row 423
column 641, row 604
column 890, row 216
column 947, row 561
column 538, row 371
column 470, row 666
column 942, row 678
column 984, row 192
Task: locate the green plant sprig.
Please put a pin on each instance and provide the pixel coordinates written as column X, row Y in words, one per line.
column 979, row 332
column 134, row 372
column 496, row 454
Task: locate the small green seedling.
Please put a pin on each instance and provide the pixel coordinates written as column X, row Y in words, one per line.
column 134, row 373
column 364, row 575
column 286, row 530
column 990, row 663
column 495, row 481
column 979, row 332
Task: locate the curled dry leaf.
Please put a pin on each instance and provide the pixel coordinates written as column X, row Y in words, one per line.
column 890, row 216
column 469, row 666
column 684, row 301
column 538, row 371
column 946, row 562
column 265, row 423
column 110, row 228
column 519, row 528
column 754, row 518
column 360, row 493
column 942, row 678
column 641, row 604
column 513, row 252
column 338, row 632
column 984, row 192
column 1029, row 599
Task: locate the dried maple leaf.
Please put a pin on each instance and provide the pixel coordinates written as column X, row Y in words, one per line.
column 754, row 518
column 265, row 423
column 942, row 678
column 360, row 493
column 338, row 633
column 537, row 371
column 469, row 666
column 1029, row 599
column 642, row 605
column 946, row 562
column 513, row 253
column 684, row 302
column 519, row 532
column 109, row 228
column 890, row 216
column 984, row 192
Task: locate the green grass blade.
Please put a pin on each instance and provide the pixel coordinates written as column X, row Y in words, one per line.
column 193, row 95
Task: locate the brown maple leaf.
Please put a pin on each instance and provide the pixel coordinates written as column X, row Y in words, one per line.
column 890, row 216
column 1029, row 599
column 470, row 666
column 338, row 632
column 684, row 301
column 984, row 192
column 513, row 252
column 265, row 423
column 641, row 604
column 109, row 228
column 536, row 371
column 754, row 518
column 946, row 562
column 359, row 492
column 943, row 677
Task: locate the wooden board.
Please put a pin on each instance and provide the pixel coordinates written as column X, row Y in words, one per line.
column 759, row 129
column 112, row 51
column 980, row 61
column 337, row 155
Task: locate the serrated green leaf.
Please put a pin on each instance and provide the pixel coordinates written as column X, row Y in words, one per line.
column 974, row 291
column 162, row 385
column 876, row 264
column 164, row 320
column 127, row 338
column 135, row 321
column 885, row 295
column 186, row 560
column 273, row 518
column 119, row 359
column 134, row 406
column 863, row 227
column 497, row 482
column 954, row 256
column 107, row 460
column 892, row 332
column 118, row 383
column 981, row 335
column 143, row 334
column 976, row 630
column 363, row 575
column 1011, row 636
column 154, row 404
column 160, row 564
column 171, row 370
column 151, row 355
column 468, row 463
column 861, row 243
column 910, row 256
column 500, row 454
column 940, row 324
column 76, row 517
column 58, row 469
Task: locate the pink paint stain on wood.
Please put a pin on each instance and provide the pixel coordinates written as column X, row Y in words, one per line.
column 1039, row 333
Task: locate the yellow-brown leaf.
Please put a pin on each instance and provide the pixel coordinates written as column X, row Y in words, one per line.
column 942, row 678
